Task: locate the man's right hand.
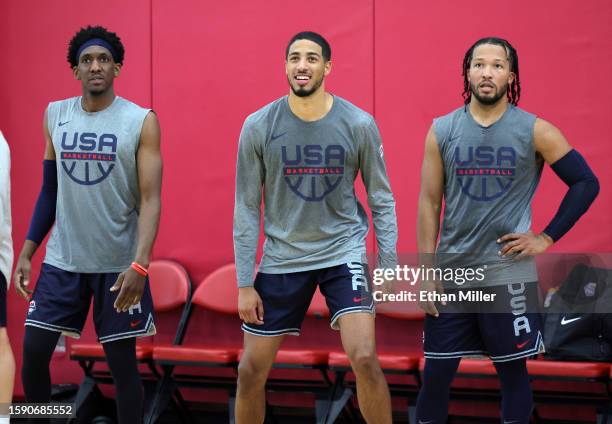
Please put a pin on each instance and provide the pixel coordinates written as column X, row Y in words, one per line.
column 250, row 306
column 21, row 277
column 427, row 305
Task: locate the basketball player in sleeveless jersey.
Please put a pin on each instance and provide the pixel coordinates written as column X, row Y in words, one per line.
column 485, row 160
column 100, row 198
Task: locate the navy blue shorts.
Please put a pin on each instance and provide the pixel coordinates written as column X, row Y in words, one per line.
column 505, row 329
column 61, row 303
column 286, row 297
column 2, row 300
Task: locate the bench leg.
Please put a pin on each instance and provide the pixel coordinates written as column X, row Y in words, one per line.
column 603, row 415
column 412, row 414
column 322, row 407
column 160, row 400
column 338, row 405
column 231, row 404
column 87, row 387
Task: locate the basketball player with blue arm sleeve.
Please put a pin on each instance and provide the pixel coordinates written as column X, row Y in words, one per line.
column 301, row 154
column 485, row 160
column 100, row 198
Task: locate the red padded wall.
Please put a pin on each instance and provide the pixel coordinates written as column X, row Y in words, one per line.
column 204, row 66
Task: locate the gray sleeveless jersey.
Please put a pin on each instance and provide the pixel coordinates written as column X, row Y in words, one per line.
column 491, row 174
column 96, row 218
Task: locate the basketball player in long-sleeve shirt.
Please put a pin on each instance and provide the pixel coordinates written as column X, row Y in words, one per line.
column 301, row 154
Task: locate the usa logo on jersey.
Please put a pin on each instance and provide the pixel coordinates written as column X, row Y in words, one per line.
column 485, row 173
column 88, row 158
column 313, row 171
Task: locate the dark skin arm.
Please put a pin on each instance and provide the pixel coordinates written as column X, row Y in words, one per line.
column 21, row 277
column 428, row 217
column 130, row 283
column 551, row 145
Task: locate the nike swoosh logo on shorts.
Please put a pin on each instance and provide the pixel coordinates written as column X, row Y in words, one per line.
column 426, row 422
column 567, row 321
column 135, row 323
column 62, row 123
column 522, row 345
column 275, row 136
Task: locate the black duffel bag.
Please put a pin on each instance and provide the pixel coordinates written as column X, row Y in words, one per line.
column 578, row 316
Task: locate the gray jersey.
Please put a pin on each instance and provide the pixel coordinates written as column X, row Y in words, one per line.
column 491, row 174
column 306, row 173
column 96, row 220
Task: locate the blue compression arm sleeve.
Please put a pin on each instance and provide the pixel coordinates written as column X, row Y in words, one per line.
column 583, row 189
column 44, row 211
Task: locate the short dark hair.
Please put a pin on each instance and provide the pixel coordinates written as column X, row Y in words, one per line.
column 315, row 38
column 88, row 33
column 514, row 91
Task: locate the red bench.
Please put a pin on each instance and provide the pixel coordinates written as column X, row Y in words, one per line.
column 212, row 293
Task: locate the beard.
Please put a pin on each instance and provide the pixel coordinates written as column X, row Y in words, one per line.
column 304, row 92
column 491, row 99
column 96, row 91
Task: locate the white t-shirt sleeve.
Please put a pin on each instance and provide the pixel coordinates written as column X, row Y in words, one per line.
column 6, row 241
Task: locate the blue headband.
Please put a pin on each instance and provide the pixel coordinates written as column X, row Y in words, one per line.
column 96, row 42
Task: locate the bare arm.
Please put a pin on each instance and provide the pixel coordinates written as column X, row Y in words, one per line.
column 149, row 166
column 428, row 217
column 430, row 196
column 549, row 142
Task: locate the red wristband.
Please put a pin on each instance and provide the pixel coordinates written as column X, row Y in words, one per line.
column 140, row 269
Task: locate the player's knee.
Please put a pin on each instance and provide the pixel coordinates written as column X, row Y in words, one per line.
column 250, row 375
column 364, row 362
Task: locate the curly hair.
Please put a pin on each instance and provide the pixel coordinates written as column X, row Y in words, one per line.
column 514, row 91
column 88, row 33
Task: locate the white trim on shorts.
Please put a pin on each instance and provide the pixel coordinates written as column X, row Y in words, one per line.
column 148, row 330
column 67, row 331
column 272, row 333
column 537, row 348
column 350, row 310
column 458, row 354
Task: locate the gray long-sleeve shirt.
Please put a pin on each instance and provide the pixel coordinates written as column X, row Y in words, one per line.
column 305, row 172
